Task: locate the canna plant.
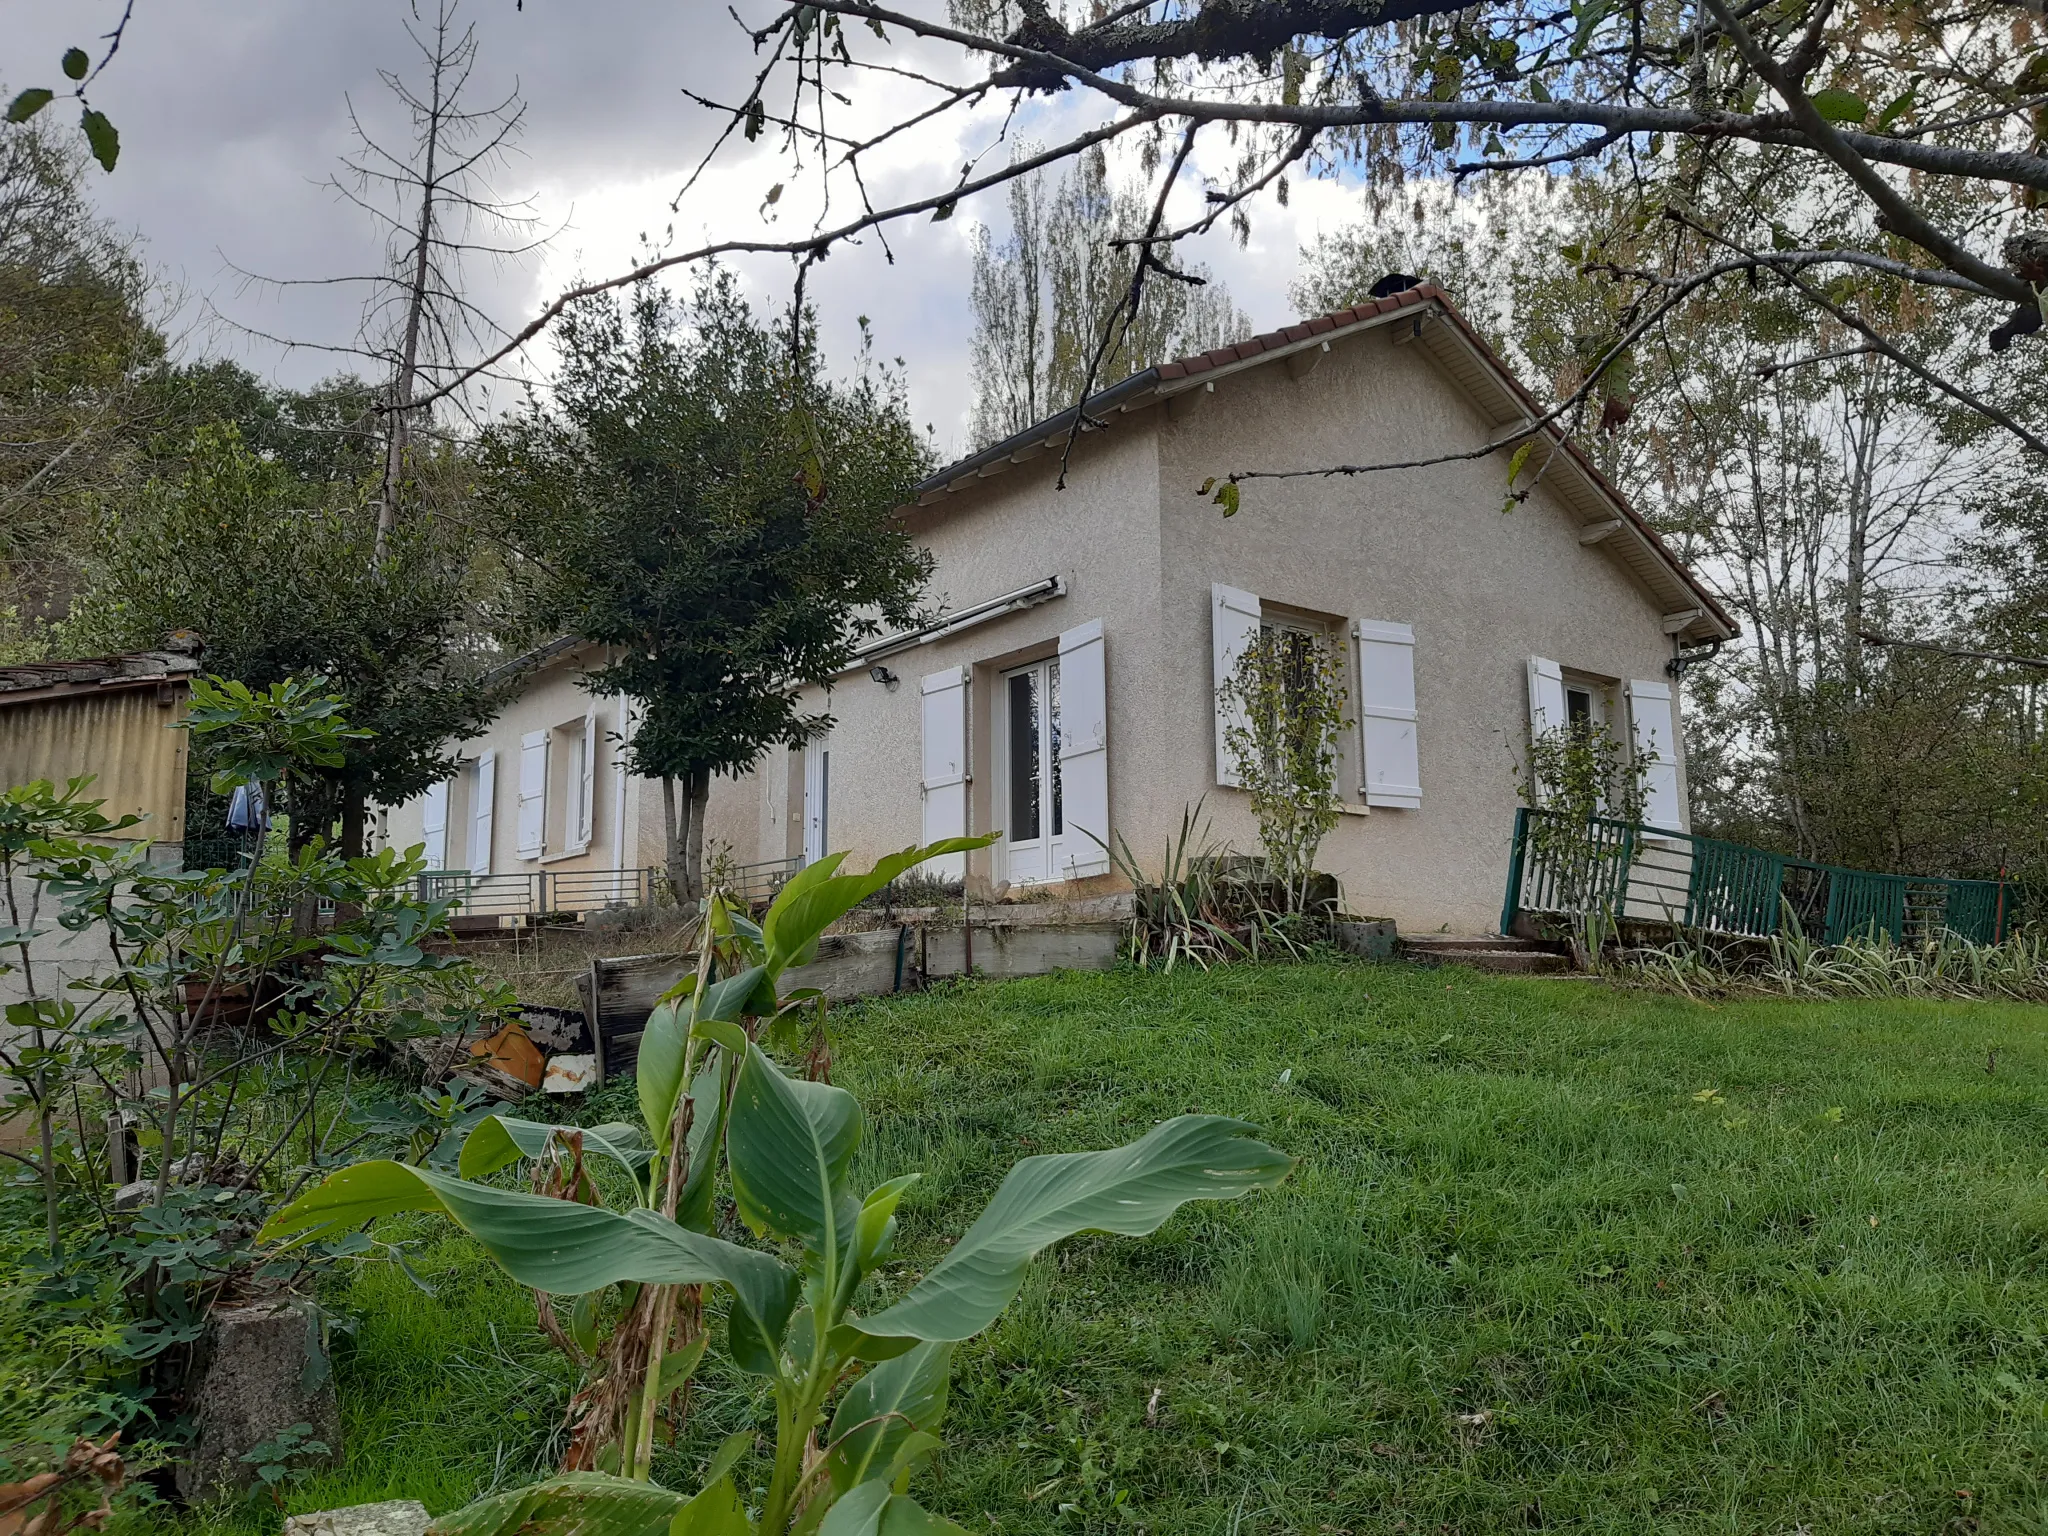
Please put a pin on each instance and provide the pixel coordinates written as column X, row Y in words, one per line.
column 858, row 1395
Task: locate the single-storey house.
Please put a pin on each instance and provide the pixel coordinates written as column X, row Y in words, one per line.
column 541, row 816
column 1065, row 693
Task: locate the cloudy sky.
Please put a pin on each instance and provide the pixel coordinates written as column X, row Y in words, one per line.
column 235, row 115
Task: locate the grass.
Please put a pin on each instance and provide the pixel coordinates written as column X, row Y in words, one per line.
column 1556, row 1256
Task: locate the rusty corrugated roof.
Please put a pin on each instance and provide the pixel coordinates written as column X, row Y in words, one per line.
column 21, row 681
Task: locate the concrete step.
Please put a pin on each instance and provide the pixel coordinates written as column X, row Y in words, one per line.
column 1485, row 952
column 1451, row 941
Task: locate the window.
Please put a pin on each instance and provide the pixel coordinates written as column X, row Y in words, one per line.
column 1379, row 760
column 567, row 772
column 1296, row 641
column 1578, row 708
column 1306, row 653
column 1033, row 796
column 817, row 798
column 1588, row 701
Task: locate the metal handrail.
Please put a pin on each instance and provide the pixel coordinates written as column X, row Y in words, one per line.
column 537, row 893
column 1630, row 871
column 572, row 892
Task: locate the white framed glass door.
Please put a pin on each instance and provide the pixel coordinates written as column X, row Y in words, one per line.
column 817, row 797
column 1032, row 808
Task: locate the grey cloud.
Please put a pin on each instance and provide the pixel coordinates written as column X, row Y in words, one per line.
column 233, row 115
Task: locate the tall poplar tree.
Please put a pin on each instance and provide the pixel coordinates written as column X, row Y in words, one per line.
column 1053, row 292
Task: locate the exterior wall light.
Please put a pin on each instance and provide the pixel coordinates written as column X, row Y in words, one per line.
column 885, row 677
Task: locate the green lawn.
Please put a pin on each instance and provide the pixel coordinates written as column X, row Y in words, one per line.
column 1555, row 1256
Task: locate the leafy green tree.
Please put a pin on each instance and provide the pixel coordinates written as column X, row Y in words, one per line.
column 280, row 577
column 76, row 345
column 701, row 498
column 328, row 435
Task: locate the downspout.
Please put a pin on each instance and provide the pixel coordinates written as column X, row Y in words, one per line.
column 1681, row 658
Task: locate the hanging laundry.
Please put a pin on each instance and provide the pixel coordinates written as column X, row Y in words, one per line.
column 249, row 809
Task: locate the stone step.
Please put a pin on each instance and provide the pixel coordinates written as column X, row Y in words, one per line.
column 1485, row 953
column 1449, row 941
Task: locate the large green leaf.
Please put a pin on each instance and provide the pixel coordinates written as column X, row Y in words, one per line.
column 658, row 1069
column 1130, row 1189
column 903, row 1516
column 882, row 1410
column 573, row 1504
column 664, row 1045
column 717, row 1511
column 550, row 1245
column 695, row 1205
column 1840, row 106
column 497, row 1141
column 872, row 1510
column 788, row 1145
column 818, row 896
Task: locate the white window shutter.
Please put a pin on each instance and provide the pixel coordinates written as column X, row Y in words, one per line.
column 1546, row 696
column 1655, row 737
column 482, row 800
column 1233, row 625
column 586, row 791
column 434, row 824
column 533, row 793
column 945, row 765
column 1546, row 702
column 1084, row 752
column 1386, row 714
column 622, row 856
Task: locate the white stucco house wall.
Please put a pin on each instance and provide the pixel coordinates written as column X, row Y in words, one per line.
column 1065, row 694
column 541, row 816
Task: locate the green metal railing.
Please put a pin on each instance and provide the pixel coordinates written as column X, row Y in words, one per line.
column 1628, row 871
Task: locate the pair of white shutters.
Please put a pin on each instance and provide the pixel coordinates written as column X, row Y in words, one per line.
column 483, row 798
column 533, row 790
column 1084, row 757
column 1653, row 735
column 1383, row 656
column 434, row 827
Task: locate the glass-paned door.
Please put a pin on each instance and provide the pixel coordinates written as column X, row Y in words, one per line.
column 817, row 798
column 1031, row 809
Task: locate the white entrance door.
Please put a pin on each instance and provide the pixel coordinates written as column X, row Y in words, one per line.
column 817, row 797
column 1032, row 805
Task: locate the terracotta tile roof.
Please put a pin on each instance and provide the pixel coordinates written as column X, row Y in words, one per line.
column 1307, row 330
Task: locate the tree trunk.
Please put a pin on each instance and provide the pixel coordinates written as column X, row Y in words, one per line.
column 683, row 832
column 398, row 427
column 354, row 822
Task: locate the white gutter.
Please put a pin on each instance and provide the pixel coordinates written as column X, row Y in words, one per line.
column 952, row 623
